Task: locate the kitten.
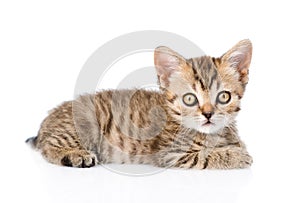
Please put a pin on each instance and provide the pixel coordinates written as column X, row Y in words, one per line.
column 190, row 123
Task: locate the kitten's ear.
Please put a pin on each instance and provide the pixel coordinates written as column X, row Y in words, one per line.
column 239, row 58
column 167, row 62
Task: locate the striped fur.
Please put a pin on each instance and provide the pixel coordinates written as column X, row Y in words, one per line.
column 148, row 127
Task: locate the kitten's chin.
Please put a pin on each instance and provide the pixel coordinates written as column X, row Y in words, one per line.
column 207, row 128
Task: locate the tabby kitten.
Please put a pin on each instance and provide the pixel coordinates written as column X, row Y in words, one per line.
column 190, row 123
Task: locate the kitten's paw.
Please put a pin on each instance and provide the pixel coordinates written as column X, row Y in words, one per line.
column 238, row 158
column 79, row 159
column 245, row 160
column 234, row 158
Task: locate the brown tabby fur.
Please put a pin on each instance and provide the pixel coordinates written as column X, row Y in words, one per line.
column 148, row 127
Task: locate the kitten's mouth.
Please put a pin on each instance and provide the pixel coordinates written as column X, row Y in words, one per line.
column 208, row 123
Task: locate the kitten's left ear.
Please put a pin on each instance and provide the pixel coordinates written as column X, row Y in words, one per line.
column 239, row 58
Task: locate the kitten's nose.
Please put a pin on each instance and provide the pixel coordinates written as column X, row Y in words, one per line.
column 207, row 110
column 207, row 114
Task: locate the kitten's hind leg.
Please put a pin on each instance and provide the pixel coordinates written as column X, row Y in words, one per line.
column 69, row 157
column 58, row 152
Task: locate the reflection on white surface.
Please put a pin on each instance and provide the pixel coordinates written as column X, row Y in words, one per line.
column 178, row 186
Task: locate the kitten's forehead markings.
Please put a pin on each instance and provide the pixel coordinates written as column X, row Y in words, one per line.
column 205, row 72
column 196, row 73
column 213, row 78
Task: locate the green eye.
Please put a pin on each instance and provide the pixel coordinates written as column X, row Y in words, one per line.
column 224, row 97
column 189, row 99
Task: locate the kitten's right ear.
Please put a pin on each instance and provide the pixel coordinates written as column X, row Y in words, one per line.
column 167, row 62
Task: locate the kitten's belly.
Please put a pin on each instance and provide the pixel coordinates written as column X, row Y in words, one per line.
column 109, row 153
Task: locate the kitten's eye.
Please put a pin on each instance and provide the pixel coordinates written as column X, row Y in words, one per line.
column 189, row 99
column 224, row 97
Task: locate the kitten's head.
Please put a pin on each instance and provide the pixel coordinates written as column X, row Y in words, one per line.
column 204, row 93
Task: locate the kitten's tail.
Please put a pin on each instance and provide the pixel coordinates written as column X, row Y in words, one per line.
column 31, row 141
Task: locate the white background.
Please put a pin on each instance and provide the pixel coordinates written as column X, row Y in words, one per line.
column 44, row 45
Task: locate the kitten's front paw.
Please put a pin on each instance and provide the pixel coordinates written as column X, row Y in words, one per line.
column 229, row 159
column 79, row 159
column 245, row 160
